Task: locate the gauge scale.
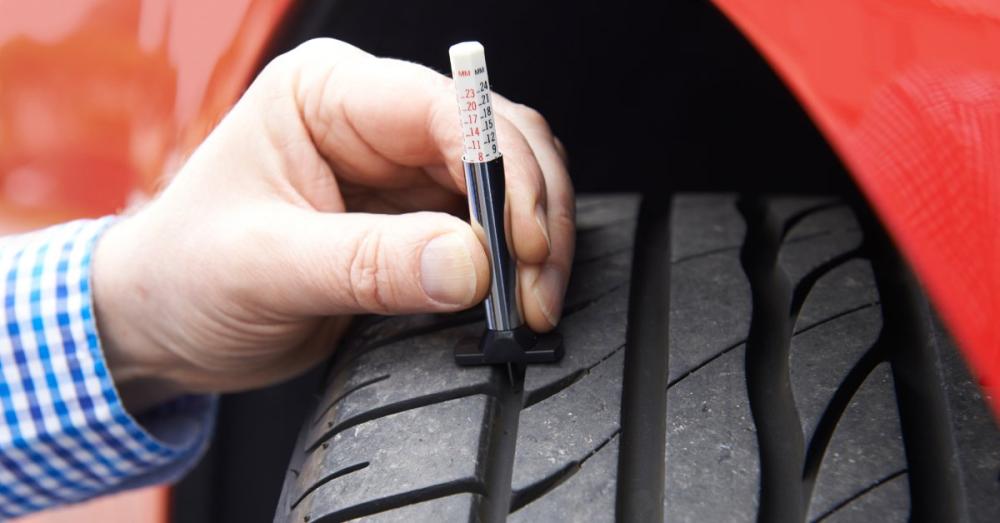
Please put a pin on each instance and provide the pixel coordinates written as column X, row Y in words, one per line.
column 507, row 340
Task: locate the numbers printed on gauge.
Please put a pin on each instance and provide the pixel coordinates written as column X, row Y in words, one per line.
column 472, row 87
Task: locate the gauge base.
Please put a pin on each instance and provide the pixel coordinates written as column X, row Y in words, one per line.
column 520, row 345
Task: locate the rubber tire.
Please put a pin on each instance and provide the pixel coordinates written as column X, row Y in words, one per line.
column 765, row 358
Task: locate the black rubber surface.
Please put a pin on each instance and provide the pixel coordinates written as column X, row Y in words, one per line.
column 765, row 359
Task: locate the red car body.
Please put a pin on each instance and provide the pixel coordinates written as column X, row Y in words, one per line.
column 908, row 94
column 100, row 100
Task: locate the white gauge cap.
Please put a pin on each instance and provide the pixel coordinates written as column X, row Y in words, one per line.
column 467, row 56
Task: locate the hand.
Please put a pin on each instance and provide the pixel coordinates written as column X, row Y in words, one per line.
column 307, row 204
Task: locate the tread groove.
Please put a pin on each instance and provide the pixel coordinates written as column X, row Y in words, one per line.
column 401, row 500
column 772, row 405
column 400, row 406
column 326, row 479
column 500, row 448
column 935, row 484
column 319, row 417
column 642, row 446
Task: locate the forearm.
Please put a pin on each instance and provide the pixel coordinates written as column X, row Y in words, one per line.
column 66, row 434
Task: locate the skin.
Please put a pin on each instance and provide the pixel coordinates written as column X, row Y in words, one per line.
column 314, row 200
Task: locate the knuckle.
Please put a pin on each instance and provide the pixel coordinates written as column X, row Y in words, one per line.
column 278, row 78
column 307, row 54
column 532, row 117
column 316, row 47
column 563, row 217
column 370, row 283
column 287, row 62
column 277, row 64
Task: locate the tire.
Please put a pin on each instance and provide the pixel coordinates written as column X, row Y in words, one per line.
column 765, row 358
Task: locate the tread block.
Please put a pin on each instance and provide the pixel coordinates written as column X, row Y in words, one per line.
column 704, row 223
column 709, row 309
column 816, row 370
column 590, row 493
column 588, row 336
column 373, row 331
column 785, row 208
column 592, row 281
column 569, row 426
column 599, row 211
column 825, row 220
column 457, row 507
column 712, row 464
column 404, row 459
column 800, row 258
column 888, row 502
column 976, row 432
column 594, row 244
column 866, row 447
column 406, row 370
column 845, row 288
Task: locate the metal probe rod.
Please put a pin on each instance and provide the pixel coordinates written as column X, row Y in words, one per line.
column 507, row 340
column 484, row 177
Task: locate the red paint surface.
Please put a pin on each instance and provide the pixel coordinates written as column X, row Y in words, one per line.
column 100, row 98
column 99, row 101
column 908, row 93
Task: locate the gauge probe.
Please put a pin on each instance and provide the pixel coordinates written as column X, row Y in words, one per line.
column 507, row 339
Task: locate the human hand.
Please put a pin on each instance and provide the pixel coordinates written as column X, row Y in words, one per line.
column 307, row 204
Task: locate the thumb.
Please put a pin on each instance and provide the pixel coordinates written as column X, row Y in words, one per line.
column 346, row 263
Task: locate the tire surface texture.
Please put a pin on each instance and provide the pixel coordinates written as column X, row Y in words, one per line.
column 728, row 358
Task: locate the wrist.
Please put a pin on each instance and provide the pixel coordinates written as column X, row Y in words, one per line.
column 137, row 366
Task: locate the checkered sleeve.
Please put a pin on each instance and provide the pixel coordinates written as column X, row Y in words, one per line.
column 65, row 435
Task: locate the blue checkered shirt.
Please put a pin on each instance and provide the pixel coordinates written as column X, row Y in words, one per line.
column 65, row 435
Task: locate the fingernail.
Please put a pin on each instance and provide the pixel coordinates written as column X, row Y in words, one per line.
column 542, row 219
column 447, row 273
column 548, row 291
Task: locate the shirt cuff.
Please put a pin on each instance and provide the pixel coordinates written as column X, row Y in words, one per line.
column 66, row 435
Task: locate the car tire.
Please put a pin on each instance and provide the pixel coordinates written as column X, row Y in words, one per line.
column 728, row 358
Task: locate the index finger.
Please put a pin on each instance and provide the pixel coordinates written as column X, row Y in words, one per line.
column 378, row 122
column 383, row 123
